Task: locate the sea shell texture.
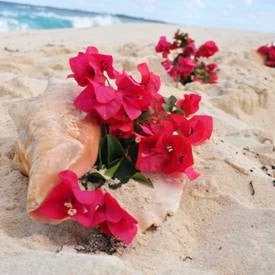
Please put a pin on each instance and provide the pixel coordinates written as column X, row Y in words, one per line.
column 53, row 136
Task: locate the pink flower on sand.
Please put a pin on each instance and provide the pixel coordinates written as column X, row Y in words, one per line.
column 66, row 200
column 99, row 98
column 269, row 55
column 190, row 104
column 114, row 220
column 120, row 125
column 167, row 153
column 186, row 66
column 208, row 49
column 167, row 64
column 136, row 97
column 196, row 130
column 90, row 208
column 90, row 66
column 164, row 46
column 190, row 49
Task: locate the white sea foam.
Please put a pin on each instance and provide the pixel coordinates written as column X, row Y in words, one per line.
column 83, row 21
column 9, row 24
column 99, row 20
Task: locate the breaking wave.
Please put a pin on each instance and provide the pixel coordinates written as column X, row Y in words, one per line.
column 23, row 17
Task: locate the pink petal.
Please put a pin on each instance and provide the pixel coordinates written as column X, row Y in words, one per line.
column 145, row 73
column 99, row 217
column 53, row 205
column 123, row 230
column 86, row 99
column 202, row 127
column 104, row 94
column 131, row 111
column 113, row 211
column 191, row 173
column 108, row 110
column 146, row 130
column 105, row 229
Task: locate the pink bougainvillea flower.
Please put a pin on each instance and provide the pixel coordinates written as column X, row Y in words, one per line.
column 212, row 67
column 174, row 73
column 271, row 53
column 191, row 173
column 114, row 220
column 90, row 66
column 120, row 125
column 181, row 124
column 167, row 153
column 149, row 159
column 270, row 60
column 213, row 78
column 132, row 94
column 167, row 64
column 179, row 153
column 201, row 128
column 136, row 97
column 208, row 49
column 268, row 52
column 190, row 49
column 164, row 46
column 206, row 73
column 196, row 130
column 270, row 63
column 122, row 129
column 160, row 125
column 100, row 98
column 66, row 200
column 263, row 50
column 183, row 69
column 149, row 80
column 185, row 66
column 190, row 104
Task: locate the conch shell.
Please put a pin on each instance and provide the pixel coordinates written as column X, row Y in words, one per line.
column 54, row 136
column 151, row 206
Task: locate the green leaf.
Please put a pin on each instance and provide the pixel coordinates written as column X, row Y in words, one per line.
column 115, row 151
column 111, row 171
column 169, row 103
column 125, row 170
column 184, row 80
column 178, row 111
column 110, row 152
column 140, row 177
column 143, row 117
column 95, row 178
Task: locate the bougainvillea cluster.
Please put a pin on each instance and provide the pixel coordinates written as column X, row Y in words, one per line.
column 184, row 62
column 268, row 53
column 158, row 131
column 142, row 132
column 89, row 208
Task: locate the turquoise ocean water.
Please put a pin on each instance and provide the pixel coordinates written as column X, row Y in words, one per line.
column 23, row 17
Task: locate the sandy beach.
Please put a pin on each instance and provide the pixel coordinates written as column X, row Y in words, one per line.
column 226, row 222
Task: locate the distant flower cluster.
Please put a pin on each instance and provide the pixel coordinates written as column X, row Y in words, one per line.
column 268, row 52
column 183, row 60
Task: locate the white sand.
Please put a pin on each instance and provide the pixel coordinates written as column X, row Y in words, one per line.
column 221, row 226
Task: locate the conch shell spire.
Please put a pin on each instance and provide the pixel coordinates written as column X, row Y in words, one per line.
column 53, row 136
